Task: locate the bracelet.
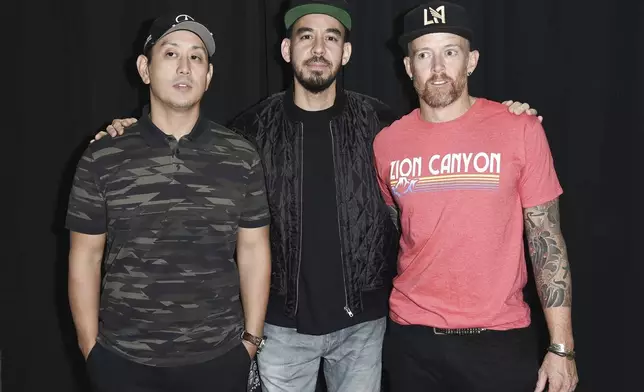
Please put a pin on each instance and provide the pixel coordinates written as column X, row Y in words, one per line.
column 560, row 350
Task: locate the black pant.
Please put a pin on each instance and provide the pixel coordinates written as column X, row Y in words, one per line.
column 109, row 372
column 416, row 359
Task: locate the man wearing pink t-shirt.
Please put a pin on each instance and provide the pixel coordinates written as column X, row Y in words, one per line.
column 464, row 178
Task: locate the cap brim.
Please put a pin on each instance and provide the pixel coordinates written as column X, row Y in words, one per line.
column 405, row 39
column 198, row 29
column 306, row 9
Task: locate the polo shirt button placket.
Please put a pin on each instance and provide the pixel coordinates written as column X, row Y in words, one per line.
column 174, row 152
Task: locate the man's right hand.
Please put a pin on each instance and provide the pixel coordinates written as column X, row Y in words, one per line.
column 116, row 128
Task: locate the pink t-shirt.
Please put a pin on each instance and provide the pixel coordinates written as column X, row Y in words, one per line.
column 461, row 187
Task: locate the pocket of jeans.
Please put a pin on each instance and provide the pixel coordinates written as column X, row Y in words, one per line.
column 246, row 353
column 92, row 354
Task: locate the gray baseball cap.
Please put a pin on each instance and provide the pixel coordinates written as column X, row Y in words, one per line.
column 167, row 24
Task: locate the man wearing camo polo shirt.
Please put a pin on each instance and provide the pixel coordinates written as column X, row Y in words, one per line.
column 163, row 210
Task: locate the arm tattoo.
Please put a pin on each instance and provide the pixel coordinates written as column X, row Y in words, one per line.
column 393, row 212
column 549, row 255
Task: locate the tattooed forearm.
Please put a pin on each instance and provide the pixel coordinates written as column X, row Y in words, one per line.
column 548, row 254
column 393, row 212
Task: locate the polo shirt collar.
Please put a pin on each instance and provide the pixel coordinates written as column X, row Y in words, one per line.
column 155, row 137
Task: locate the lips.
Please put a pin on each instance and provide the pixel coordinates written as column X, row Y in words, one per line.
column 182, row 85
column 318, row 65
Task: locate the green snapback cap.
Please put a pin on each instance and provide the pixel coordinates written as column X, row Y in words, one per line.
column 334, row 8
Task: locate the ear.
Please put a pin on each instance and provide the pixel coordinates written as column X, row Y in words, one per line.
column 407, row 62
column 209, row 76
column 346, row 52
column 472, row 61
column 286, row 50
column 142, row 67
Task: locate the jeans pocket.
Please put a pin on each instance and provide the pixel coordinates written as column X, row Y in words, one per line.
column 92, row 354
column 246, row 353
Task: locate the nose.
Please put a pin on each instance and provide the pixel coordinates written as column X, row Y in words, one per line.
column 438, row 64
column 183, row 68
column 318, row 47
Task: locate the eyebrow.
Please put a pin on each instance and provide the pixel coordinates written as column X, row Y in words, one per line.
column 450, row 46
column 331, row 30
column 169, row 43
column 303, row 30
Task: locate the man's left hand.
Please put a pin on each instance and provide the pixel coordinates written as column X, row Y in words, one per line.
column 251, row 348
column 560, row 373
column 520, row 108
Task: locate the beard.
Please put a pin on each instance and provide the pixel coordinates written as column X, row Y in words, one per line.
column 315, row 82
column 442, row 96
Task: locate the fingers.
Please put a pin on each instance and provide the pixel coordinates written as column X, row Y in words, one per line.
column 514, row 106
column 111, row 130
column 119, row 125
column 573, row 385
column 556, row 386
column 567, row 384
column 127, row 122
column 116, row 128
column 541, row 381
column 99, row 135
column 518, row 107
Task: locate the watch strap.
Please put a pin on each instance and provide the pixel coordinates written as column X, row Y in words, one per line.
column 252, row 339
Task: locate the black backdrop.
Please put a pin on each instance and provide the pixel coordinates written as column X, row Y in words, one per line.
column 578, row 62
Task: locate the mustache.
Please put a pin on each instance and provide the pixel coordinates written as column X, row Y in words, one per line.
column 317, row 59
column 441, row 76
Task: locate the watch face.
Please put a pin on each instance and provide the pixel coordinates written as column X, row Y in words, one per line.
column 261, row 345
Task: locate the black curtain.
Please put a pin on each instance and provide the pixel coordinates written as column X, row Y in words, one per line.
column 578, row 62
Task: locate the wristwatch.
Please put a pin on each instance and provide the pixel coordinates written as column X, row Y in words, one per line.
column 562, row 351
column 254, row 340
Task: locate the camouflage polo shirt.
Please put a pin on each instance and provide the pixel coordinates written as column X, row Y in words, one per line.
column 171, row 211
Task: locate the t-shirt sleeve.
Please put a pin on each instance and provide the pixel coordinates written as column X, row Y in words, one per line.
column 255, row 212
column 538, row 183
column 86, row 212
column 381, row 173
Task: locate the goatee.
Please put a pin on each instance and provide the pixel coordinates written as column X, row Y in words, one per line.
column 443, row 95
column 316, row 83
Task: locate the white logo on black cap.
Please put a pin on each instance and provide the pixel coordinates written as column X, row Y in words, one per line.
column 183, row 18
column 438, row 15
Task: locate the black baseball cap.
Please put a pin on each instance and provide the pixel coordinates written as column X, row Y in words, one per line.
column 167, row 24
column 338, row 9
column 435, row 17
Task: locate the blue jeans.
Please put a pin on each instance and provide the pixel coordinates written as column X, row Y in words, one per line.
column 289, row 361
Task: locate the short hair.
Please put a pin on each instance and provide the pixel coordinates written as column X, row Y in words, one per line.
column 148, row 53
